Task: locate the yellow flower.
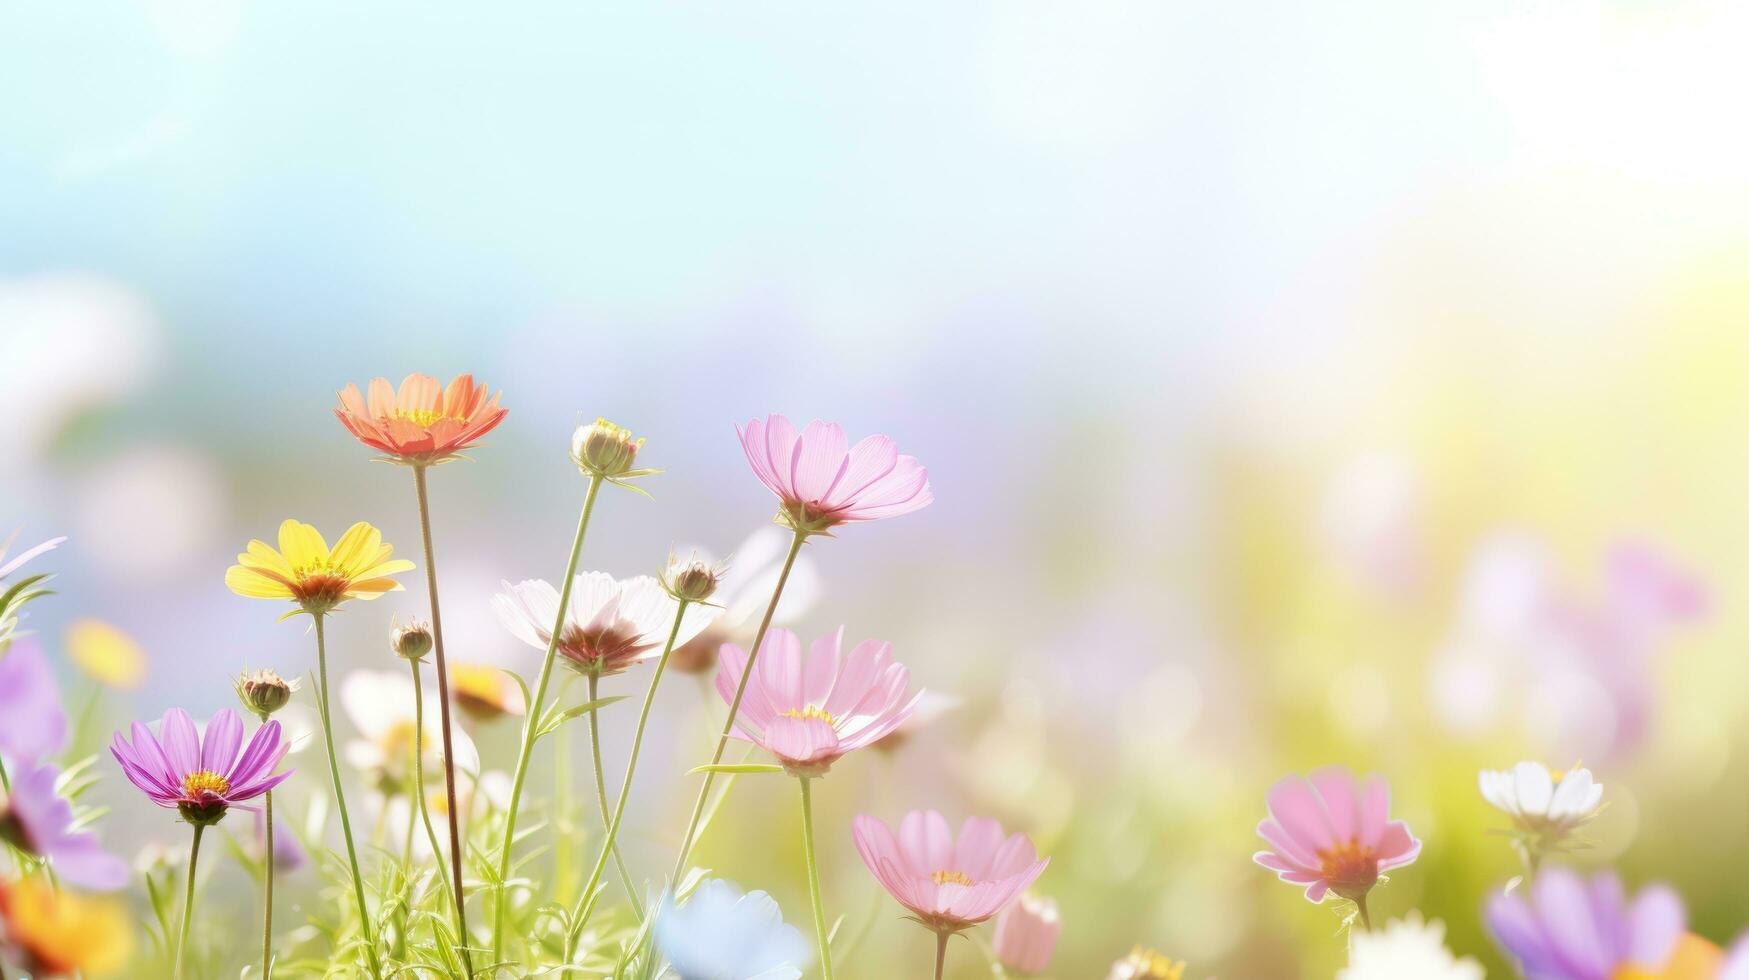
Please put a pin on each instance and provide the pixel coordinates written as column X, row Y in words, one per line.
column 485, row 693
column 1145, row 964
column 59, row 933
column 308, row 573
column 106, row 654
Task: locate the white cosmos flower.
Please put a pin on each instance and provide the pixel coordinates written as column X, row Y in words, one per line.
column 721, row 934
column 1540, row 800
column 380, row 705
column 1405, row 948
column 612, row 624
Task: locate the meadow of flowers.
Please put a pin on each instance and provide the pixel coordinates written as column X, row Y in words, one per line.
column 440, row 860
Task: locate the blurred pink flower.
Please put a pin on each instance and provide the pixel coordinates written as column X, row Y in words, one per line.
column 1026, row 935
column 201, row 776
column 948, row 885
column 811, row 711
column 32, row 724
column 1331, row 832
column 824, row 482
column 1571, row 929
column 38, row 821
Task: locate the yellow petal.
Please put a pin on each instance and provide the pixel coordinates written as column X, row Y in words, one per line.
column 370, row 588
column 395, row 567
column 355, row 547
column 260, row 555
column 252, row 583
column 302, row 544
column 106, row 654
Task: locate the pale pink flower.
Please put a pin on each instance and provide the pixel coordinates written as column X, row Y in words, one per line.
column 811, row 711
column 823, row 481
column 1026, row 935
column 948, row 885
column 1332, row 832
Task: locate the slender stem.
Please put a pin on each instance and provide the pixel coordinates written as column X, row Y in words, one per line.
column 188, row 899
column 814, row 879
column 704, row 791
column 455, row 844
column 941, row 939
column 1365, row 917
column 370, row 946
column 531, row 721
column 5, row 783
column 625, row 876
column 419, row 774
column 562, row 807
column 267, row 903
column 584, row 905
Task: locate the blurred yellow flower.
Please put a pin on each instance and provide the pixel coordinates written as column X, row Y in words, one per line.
column 310, row 574
column 58, row 933
column 106, row 654
column 1145, row 964
column 485, row 693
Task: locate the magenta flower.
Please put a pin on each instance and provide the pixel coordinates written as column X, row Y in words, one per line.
column 1568, row 929
column 38, row 821
column 812, row 711
column 32, row 724
column 948, row 885
column 201, row 777
column 823, row 481
column 1331, row 832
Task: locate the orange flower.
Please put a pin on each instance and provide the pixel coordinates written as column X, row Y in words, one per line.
column 422, row 424
column 485, row 693
column 57, row 934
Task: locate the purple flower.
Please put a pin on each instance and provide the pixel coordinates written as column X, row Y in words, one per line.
column 32, row 724
column 1571, row 929
column 38, row 821
column 202, row 778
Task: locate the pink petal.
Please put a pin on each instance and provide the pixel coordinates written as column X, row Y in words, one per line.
column 925, row 842
column 820, row 459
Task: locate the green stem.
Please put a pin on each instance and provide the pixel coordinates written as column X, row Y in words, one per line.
column 941, row 939
column 188, row 899
column 370, row 947
column 1365, row 916
column 532, row 720
column 619, row 863
column 562, row 807
column 267, row 904
column 5, row 783
column 704, row 791
column 419, row 774
column 585, row 905
column 814, row 880
column 457, row 894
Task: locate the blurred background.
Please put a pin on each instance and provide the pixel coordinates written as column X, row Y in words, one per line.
column 1299, row 383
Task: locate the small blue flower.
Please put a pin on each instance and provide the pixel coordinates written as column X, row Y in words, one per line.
column 721, row 934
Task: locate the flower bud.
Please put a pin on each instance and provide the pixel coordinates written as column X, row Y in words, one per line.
column 412, row 641
column 692, row 580
column 263, row 692
column 605, row 450
column 1026, row 935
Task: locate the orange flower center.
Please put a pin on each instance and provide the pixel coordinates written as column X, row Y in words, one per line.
column 952, row 878
column 811, row 711
column 425, row 418
column 205, row 781
column 319, row 584
column 1349, row 864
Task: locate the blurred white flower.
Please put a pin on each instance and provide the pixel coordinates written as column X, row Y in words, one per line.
column 1541, row 800
column 721, row 934
column 744, row 592
column 1404, row 948
column 151, row 511
column 380, row 705
column 1373, row 523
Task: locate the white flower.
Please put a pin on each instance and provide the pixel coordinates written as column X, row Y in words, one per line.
column 721, row 934
column 752, row 576
column 380, row 705
column 1406, row 948
column 1540, row 800
column 611, row 624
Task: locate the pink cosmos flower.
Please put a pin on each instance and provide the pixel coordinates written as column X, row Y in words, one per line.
column 823, row 481
column 201, row 777
column 1026, row 935
column 1331, row 832
column 424, row 423
column 811, row 711
column 37, row 820
column 948, row 885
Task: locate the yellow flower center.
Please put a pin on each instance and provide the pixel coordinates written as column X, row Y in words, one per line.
column 1349, row 863
column 811, row 711
column 205, row 781
column 425, row 418
column 952, row 878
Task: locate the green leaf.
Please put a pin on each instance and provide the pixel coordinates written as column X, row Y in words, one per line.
column 557, row 717
column 739, row 768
